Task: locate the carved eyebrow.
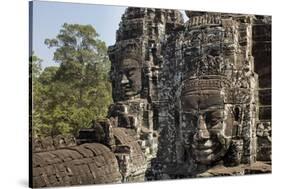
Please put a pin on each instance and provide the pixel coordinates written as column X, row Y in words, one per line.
column 191, row 111
column 217, row 116
column 211, row 110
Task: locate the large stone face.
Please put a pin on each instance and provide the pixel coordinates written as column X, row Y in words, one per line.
column 210, row 96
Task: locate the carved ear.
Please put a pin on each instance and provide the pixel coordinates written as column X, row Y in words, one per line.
column 236, row 113
column 236, row 130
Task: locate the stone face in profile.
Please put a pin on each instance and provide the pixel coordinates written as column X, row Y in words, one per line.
column 211, row 123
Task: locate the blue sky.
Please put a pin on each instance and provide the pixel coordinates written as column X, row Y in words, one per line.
column 48, row 17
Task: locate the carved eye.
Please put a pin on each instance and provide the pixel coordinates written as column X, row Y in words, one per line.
column 213, row 118
column 192, row 120
column 215, row 121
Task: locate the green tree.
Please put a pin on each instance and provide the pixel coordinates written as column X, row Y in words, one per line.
column 77, row 91
column 82, row 57
column 34, row 67
column 34, row 73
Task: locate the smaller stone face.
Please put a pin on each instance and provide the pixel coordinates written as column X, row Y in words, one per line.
column 211, row 125
column 129, row 78
column 126, row 70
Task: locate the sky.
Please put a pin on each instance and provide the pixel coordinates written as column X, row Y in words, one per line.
column 48, row 17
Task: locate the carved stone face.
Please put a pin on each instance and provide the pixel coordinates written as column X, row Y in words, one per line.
column 210, row 124
column 129, row 78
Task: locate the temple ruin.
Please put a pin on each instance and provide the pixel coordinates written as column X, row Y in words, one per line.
column 191, row 99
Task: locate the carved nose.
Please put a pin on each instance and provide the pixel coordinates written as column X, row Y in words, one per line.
column 124, row 79
column 202, row 132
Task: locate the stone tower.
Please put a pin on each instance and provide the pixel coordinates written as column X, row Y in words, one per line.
column 136, row 62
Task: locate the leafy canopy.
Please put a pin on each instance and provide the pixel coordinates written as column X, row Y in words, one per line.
column 70, row 96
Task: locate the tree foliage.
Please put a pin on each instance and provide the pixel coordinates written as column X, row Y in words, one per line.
column 69, row 96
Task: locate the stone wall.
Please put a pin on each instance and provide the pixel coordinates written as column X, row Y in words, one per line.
column 104, row 153
column 85, row 164
column 123, row 142
column 262, row 58
column 52, row 143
